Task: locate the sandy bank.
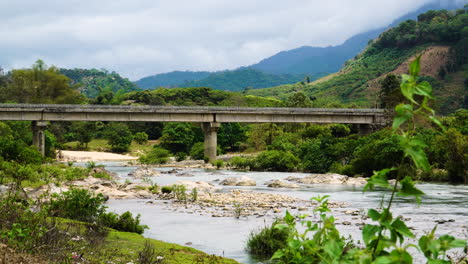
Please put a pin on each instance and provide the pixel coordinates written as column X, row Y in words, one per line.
column 80, row 156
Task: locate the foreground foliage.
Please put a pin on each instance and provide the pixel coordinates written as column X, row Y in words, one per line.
column 384, row 241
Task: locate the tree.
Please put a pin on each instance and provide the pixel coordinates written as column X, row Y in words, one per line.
column 299, row 99
column 84, row 132
column 390, row 94
column 231, row 135
column 180, row 137
column 141, row 138
column 40, row 84
column 119, row 137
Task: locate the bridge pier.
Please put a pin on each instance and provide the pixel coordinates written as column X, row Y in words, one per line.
column 210, row 131
column 38, row 128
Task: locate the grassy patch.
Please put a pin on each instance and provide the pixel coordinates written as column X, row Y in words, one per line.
column 127, row 245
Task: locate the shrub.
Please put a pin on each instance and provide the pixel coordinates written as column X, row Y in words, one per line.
column 218, row 163
column 141, row 138
column 242, row 163
column 180, row 156
column 77, row 204
column 194, row 194
column 156, row 155
column 124, row 222
column 167, row 189
column 268, row 240
column 197, row 152
column 276, row 160
column 148, row 255
column 119, row 137
column 180, row 192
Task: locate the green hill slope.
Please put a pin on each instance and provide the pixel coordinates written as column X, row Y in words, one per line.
column 442, row 38
column 237, row 80
column 93, row 81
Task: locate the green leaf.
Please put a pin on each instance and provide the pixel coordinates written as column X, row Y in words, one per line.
column 407, row 89
column 415, row 67
column 379, row 178
column 401, row 228
column 288, row 218
column 424, row 89
column 369, row 232
column 436, row 121
column 278, row 254
column 397, row 256
column 404, row 112
column 408, row 188
column 294, row 244
column 415, row 149
column 373, row 214
column 448, row 242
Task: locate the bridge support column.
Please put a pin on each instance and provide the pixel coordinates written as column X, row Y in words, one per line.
column 210, row 130
column 38, row 128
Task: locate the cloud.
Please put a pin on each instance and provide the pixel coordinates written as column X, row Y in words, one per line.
column 144, row 37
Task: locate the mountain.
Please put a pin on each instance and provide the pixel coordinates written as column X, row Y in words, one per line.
column 440, row 37
column 311, row 60
column 170, row 79
column 92, row 81
column 238, row 80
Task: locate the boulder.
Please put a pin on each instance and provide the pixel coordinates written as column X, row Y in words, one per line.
column 328, row 178
column 281, row 184
column 200, row 185
column 144, row 172
column 241, row 181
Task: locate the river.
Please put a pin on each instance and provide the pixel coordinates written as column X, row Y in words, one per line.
column 227, row 236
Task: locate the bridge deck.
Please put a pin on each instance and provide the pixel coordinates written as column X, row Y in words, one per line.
column 56, row 112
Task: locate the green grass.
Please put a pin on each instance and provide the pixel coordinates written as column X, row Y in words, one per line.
column 127, row 245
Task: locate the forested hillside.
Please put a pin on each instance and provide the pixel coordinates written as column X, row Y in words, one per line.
column 92, row 82
column 170, row 79
column 240, row 79
column 441, row 37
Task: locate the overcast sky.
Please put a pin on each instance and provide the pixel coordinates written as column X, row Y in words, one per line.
column 137, row 38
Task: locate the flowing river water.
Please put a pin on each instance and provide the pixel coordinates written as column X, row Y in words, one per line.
column 227, row 236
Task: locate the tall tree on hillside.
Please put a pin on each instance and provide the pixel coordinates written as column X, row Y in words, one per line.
column 40, row 84
column 390, row 94
column 299, row 99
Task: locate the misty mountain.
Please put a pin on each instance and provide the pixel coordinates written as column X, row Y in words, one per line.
column 310, row 60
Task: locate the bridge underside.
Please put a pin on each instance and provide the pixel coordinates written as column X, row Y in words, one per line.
column 210, row 117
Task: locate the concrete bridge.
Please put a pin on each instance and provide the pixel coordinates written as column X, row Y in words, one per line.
column 209, row 117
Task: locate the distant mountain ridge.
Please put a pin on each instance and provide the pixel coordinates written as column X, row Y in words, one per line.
column 310, row 60
column 293, row 65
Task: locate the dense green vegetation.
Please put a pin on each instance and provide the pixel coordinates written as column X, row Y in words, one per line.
column 200, row 96
column 94, row 82
column 170, row 79
column 40, row 84
column 242, row 78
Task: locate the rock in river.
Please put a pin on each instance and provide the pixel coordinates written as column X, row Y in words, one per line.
column 328, row 178
column 241, row 181
column 281, row 184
